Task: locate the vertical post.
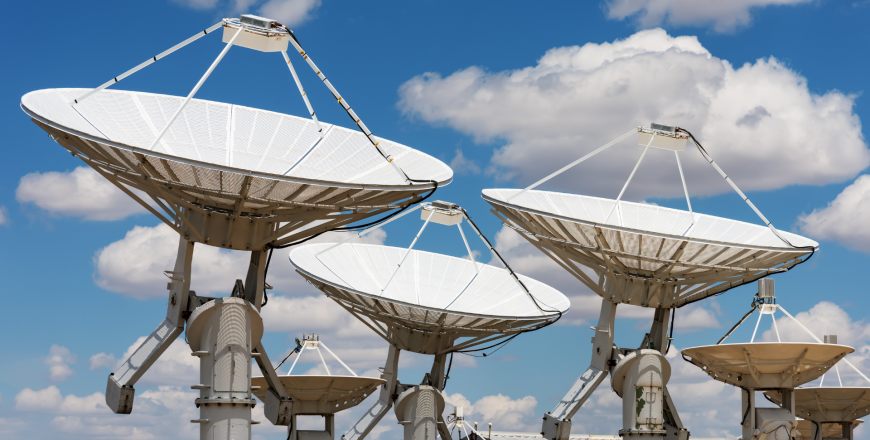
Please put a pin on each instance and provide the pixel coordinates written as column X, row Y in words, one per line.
column 659, row 331
column 788, row 400
column 747, row 412
column 848, row 430
column 255, row 281
column 223, row 336
column 195, row 89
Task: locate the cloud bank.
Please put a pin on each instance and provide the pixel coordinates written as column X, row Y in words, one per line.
column 759, row 121
column 722, row 16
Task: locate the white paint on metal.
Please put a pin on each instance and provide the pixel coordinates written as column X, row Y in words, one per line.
column 685, row 188
column 193, row 92
column 493, row 294
column 573, row 164
column 630, row 176
column 341, row 159
column 150, row 61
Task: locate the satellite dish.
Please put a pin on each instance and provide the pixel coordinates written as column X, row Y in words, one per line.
column 829, row 430
column 237, row 178
column 772, row 365
column 316, row 395
column 426, row 303
column 432, row 294
column 659, row 257
column 255, row 169
column 828, row 404
column 642, row 255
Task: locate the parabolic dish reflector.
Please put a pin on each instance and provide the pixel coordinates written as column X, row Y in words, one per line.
column 828, row 404
column 658, row 257
column 322, row 394
column 224, row 159
column 764, row 365
column 829, row 430
column 430, row 294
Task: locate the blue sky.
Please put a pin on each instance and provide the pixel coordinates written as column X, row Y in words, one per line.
column 504, row 92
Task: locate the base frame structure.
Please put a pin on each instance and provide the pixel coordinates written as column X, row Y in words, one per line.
column 608, row 359
column 225, row 334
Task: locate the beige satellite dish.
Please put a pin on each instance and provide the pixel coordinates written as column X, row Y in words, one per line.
column 829, row 430
column 766, row 365
column 322, row 394
column 828, row 404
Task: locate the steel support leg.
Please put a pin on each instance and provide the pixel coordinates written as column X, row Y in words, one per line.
column 385, row 400
column 119, row 387
column 557, row 423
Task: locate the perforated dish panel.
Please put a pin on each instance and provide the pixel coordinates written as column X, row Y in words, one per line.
column 429, row 291
column 232, row 160
column 233, row 136
column 657, row 249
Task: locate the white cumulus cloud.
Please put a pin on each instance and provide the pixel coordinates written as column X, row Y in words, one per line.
column 134, row 265
column 463, row 165
column 197, row 4
column 58, row 361
column 77, row 193
column 723, row 16
column 845, row 219
column 4, row 216
column 47, row 399
column 287, row 12
column 759, row 121
column 504, row 413
column 290, row 12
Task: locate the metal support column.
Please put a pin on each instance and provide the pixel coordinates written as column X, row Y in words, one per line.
column 119, row 387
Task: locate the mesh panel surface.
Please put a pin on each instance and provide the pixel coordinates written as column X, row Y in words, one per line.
column 234, row 136
column 426, row 286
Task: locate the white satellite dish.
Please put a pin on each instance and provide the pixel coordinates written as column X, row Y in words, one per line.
column 257, row 169
column 660, row 257
column 431, row 292
column 237, row 178
column 426, row 303
column 642, row 255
